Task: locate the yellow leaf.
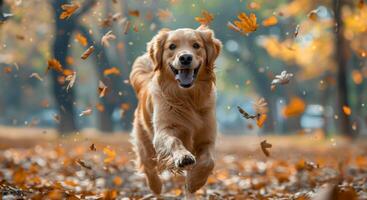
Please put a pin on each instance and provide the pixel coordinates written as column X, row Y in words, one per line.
column 271, row 21
column 81, row 39
column 111, row 155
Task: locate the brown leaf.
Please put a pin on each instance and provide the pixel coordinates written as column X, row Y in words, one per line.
column 264, row 147
column 83, row 164
column 88, row 52
column 92, row 147
column 134, row 13
column 55, row 65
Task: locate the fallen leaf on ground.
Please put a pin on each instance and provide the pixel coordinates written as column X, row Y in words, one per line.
column 87, row 53
column 83, row 164
column 92, row 147
column 264, row 147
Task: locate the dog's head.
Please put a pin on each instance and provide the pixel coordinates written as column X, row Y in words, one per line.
column 184, row 55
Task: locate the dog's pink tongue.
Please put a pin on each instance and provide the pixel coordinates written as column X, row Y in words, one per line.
column 185, row 76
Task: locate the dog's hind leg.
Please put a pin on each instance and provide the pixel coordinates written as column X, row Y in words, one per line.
column 146, row 162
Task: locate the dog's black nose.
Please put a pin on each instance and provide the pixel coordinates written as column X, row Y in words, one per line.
column 185, row 59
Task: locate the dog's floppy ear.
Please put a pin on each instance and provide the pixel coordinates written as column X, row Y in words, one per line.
column 155, row 48
column 212, row 45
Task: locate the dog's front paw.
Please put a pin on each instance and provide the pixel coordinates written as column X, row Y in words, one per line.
column 184, row 159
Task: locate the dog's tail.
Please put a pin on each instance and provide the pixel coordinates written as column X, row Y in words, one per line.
column 141, row 73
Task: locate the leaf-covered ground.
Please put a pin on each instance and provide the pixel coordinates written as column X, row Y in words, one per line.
column 36, row 164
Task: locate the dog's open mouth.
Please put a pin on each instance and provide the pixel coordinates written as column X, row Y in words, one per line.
column 185, row 77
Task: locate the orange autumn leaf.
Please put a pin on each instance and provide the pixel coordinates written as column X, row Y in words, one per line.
column 206, row 18
column 110, row 155
column 112, row 70
column 55, row 65
column 8, row 70
column 271, row 21
column 81, row 39
column 261, row 120
column 347, row 110
column 134, row 13
column 117, row 180
column 246, row 24
column 361, row 4
column 100, row 107
column 295, row 107
column 357, row 77
column 87, row 53
column 68, row 10
column 68, row 72
column 164, row 15
column 313, row 15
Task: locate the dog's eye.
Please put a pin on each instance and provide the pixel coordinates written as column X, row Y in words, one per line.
column 172, row 46
column 196, row 45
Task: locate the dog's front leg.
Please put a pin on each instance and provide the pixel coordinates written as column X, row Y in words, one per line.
column 171, row 151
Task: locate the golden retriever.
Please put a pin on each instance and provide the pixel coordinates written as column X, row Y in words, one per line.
column 175, row 124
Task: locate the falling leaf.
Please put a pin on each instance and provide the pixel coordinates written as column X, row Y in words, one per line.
column 83, row 164
column 110, row 155
column 233, row 27
column 264, row 147
column 313, row 15
column 296, row 31
column 117, row 180
column 347, row 110
column 100, row 107
column 253, row 5
column 36, row 75
column 68, row 10
column 71, row 80
column 261, row 120
column 87, row 53
column 357, row 77
column 81, row 39
column 261, row 106
column 245, row 114
column 246, row 24
column 271, row 21
column 55, row 65
column 112, row 70
column 8, row 70
column 86, row 112
column 295, row 107
column 134, row 13
column 126, row 27
column 92, row 147
column 281, row 79
column 105, row 41
column 206, row 18
column 164, row 15
column 102, row 89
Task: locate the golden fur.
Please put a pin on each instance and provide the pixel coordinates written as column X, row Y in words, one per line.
column 175, row 128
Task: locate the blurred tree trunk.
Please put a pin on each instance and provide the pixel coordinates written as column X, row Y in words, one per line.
column 60, row 48
column 64, row 100
column 341, row 56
